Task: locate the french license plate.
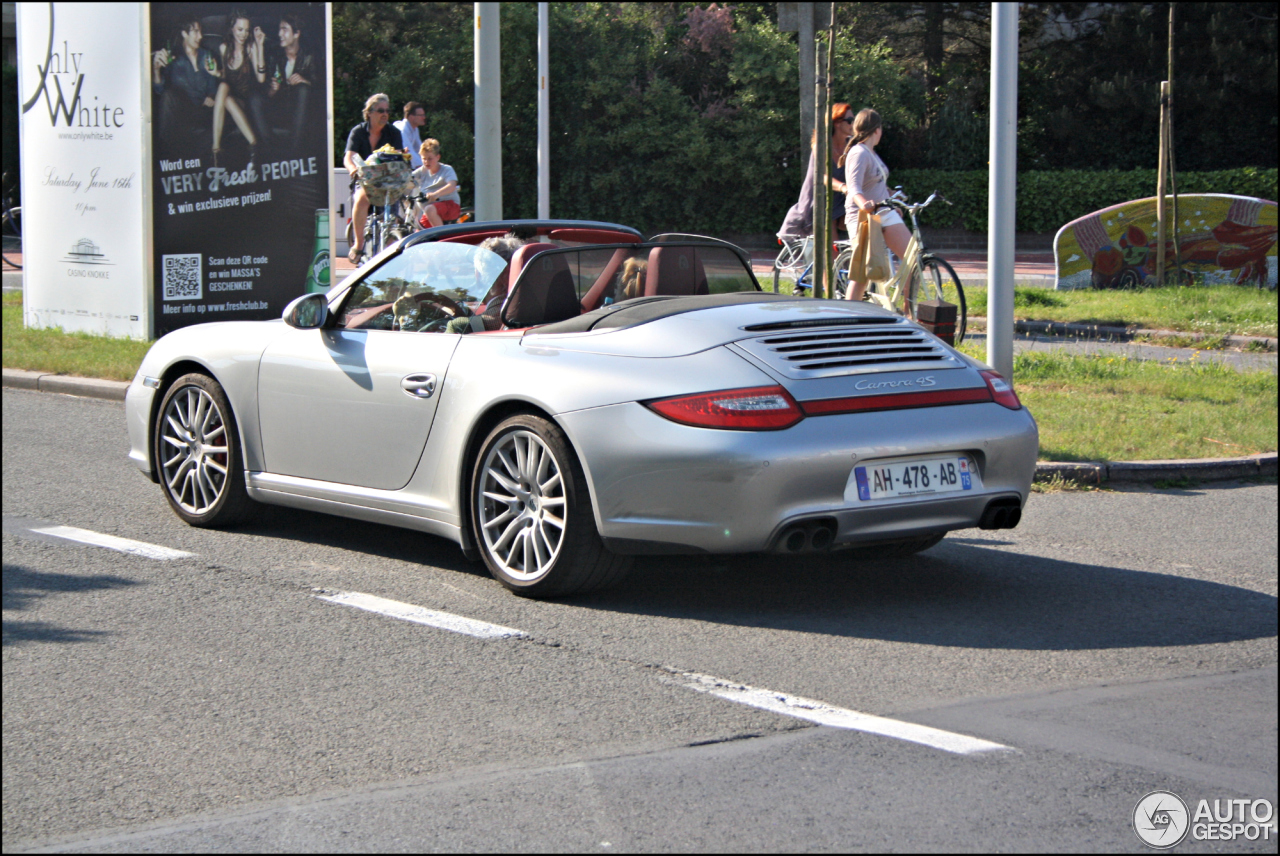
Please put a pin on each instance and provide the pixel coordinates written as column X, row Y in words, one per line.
column 911, row 477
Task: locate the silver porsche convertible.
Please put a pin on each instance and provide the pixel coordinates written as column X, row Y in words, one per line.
column 560, row 396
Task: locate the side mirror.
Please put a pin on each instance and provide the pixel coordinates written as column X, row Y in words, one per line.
column 307, row 312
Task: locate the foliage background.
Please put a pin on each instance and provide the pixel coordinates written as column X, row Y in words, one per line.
column 684, row 115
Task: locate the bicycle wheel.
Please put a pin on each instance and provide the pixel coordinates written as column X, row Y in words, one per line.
column 842, row 273
column 937, row 280
column 12, row 229
column 790, row 263
column 372, row 239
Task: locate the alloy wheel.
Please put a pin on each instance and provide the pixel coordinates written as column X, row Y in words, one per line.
column 520, row 504
column 193, row 444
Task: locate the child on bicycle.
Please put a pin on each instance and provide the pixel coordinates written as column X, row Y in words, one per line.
column 439, row 184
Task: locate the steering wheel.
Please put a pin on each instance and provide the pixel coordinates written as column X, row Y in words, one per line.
column 448, row 304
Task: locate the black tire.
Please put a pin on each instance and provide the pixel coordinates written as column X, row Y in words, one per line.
column 513, row 520
column 12, row 230
column 204, row 482
column 1129, row 280
column 938, row 281
column 841, row 274
column 892, row 549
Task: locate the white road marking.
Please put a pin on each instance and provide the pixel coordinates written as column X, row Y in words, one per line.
column 775, row 702
column 823, row 714
column 111, row 542
column 421, row 615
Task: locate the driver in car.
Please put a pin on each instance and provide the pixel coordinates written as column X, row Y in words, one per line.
column 490, row 317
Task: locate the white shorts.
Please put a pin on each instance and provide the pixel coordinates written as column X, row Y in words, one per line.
column 887, row 219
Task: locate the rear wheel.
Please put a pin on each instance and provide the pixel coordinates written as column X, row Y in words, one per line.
column 937, row 280
column 12, row 228
column 531, row 514
column 197, row 453
column 842, row 273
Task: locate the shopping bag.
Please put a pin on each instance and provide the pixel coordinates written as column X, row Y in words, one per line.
column 870, row 257
column 875, row 254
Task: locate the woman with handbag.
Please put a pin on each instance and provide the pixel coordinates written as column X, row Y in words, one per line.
column 867, row 178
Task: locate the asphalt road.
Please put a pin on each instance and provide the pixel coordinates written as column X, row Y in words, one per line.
column 1116, row 643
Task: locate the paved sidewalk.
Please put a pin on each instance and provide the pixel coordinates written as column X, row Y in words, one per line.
column 1029, row 267
column 1092, row 472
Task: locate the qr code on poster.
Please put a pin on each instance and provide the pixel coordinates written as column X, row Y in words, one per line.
column 182, row 277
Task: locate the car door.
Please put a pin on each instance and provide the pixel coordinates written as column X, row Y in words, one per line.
column 354, row 404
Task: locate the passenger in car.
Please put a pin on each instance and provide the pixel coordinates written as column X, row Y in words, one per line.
column 634, row 272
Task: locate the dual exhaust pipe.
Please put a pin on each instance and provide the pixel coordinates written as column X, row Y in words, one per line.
column 806, row 536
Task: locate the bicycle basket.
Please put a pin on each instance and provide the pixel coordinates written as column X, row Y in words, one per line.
column 384, row 183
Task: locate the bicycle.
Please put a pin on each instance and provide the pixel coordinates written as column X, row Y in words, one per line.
column 12, row 228
column 411, row 208
column 920, row 275
column 795, row 261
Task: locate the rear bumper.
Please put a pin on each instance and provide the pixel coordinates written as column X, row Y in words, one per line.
column 658, row 486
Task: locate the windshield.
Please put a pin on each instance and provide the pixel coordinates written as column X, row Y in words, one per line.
column 559, row 284
column 460, row 274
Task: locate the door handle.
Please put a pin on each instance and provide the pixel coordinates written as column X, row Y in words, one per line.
column 419, row 385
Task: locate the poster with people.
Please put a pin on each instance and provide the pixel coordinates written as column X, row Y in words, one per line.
column 240, row 160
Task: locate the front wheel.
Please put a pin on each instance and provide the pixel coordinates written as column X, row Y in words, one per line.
column 197, row 453
column 531, row 514
column 372, row 241
column 937, row 280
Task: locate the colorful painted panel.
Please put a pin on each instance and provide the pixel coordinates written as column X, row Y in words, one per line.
column 1224, row 240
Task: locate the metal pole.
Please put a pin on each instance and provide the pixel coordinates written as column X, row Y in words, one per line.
column 1161, row 178
column 821, row 174
column 1173, row 170
column 1002, row 188
column 488, row 98
column 544, row 117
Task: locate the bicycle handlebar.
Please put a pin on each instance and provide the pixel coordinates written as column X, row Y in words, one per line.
column 905, row 207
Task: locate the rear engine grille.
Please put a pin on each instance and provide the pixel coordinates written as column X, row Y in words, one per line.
column 839, row 350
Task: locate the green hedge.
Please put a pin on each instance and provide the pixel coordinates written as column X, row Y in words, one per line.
column 1048, row 200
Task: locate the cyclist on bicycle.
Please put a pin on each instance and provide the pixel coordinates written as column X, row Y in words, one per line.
column 799, row 220
column 372, row 134
column 869, row 186
column 439, row 184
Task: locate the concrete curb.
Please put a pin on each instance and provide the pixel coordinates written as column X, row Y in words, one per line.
column 1092, row 472
column 1146, row 472
column 1123, row 334
column 86, row 387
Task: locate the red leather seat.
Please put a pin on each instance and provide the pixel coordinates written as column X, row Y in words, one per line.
column 675, row 271
column 542, row 289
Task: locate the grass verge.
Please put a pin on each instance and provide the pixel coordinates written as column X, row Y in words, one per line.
column 1217, row 310
column 1113, row 408
column 54, row 351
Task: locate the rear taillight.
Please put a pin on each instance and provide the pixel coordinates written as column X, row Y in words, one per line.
column 760, row 408
column 1001, row 390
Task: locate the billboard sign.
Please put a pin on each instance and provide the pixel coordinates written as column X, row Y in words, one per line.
column 83, row 133
column 240, row 158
